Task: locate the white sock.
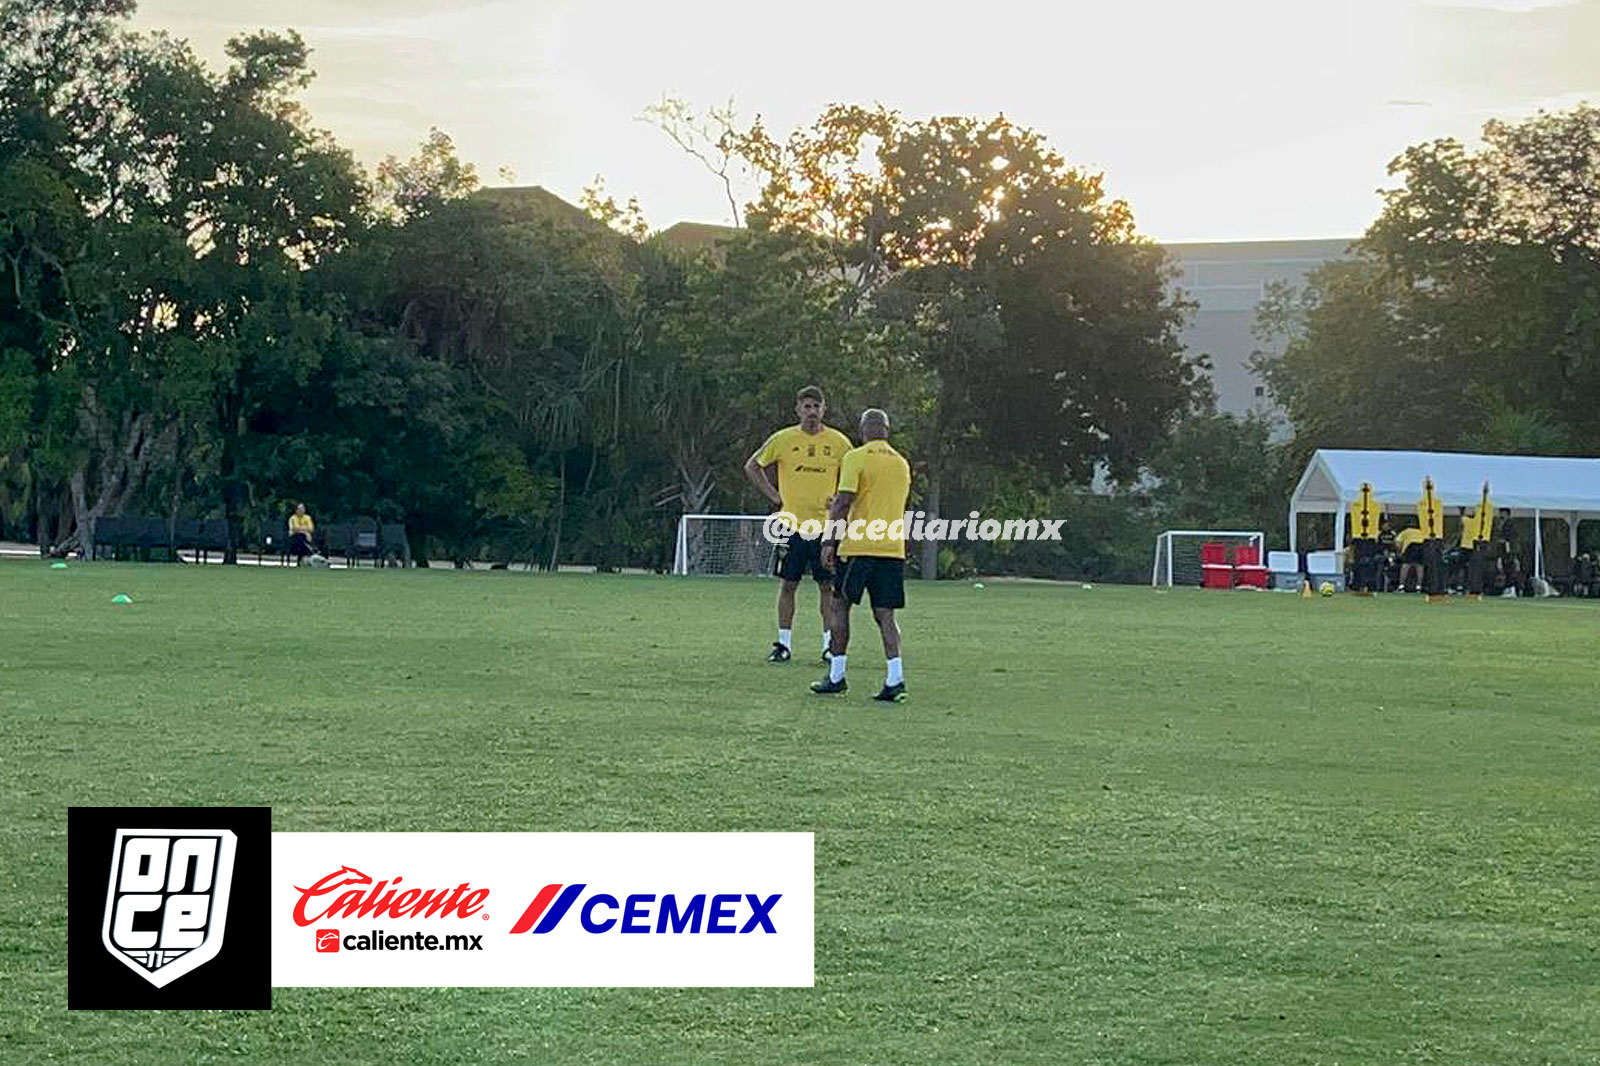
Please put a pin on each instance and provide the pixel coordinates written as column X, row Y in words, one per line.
column 836, row 668
column 785, row 636
column 827, row 640
column 895, row 675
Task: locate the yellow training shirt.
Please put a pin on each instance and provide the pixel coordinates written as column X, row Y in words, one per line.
column 881, row 479
column 1407, row 537
column 301, row 523
column 808, row 468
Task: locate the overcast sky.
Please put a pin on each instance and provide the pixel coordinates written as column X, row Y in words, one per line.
column 1216, row 119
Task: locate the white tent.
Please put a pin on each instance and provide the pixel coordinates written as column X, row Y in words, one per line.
column 1526, row 485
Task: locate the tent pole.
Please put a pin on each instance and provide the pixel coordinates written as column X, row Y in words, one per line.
column 1338, row 528
column 1538, row 546
column 1572, row 535
column 1294, row 522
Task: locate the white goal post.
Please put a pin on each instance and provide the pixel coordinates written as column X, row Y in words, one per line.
column 1178, row 552
column 722, row 544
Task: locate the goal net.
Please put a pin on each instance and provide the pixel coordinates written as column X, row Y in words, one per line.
column 1178, row 552
column 722, row 544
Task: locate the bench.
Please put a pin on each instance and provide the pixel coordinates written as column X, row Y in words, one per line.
column 124, row 536
column 366, row 539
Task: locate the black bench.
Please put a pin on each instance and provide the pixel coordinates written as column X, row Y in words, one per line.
column 128, row 537
column 361, row 539
column 125, row 536
column 202, row 536
column 393, row 544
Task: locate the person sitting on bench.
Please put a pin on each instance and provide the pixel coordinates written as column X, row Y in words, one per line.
column 301, row 530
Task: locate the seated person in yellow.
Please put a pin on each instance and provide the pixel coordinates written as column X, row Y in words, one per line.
column 301, row 531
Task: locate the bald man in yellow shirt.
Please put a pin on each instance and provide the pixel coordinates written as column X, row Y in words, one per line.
column 874, row 481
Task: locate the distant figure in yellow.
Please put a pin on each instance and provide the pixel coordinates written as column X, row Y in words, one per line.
column 1409, row 544
column 301, row 531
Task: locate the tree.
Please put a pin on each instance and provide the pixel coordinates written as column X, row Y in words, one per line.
column 1219, row 471
column 432, row 177
column 200, row 200
column 728, row 340
column 1022, row 290
column 530, row 304
column 1356, row 371
column 1471, row 316
column 52, row 54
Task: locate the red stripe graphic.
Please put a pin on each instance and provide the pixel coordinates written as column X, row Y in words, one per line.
column 536, row 908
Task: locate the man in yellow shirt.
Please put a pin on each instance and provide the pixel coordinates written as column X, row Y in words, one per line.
column 1409, row 544
column 301, row 531
column 807, row 458
column 874, row 481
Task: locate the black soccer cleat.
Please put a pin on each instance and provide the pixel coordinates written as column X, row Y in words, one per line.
column 892, row 693
column 779, row 654
column 828, row 687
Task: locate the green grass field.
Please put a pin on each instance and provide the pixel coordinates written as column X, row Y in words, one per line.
column 1110, row 826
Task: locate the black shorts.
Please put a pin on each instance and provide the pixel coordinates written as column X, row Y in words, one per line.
column 1412, row 554
column 882, row 578
column 797, row 555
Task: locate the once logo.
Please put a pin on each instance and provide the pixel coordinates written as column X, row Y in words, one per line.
column 360, row 901
column 327, row 940
column 646, row 912
column 167, row 903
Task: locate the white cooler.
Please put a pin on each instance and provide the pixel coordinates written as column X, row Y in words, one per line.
column 1326, row 566
column 1285, row 567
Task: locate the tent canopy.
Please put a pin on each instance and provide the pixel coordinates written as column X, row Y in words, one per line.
column 1522, row 484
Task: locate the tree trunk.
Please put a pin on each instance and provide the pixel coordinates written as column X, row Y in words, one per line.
column 175, row 500
column 35, row 519
column 695, row 482
column 561, row 515
column 228, row 466
column 119, row 468
column 928, row 546
column 84, row 517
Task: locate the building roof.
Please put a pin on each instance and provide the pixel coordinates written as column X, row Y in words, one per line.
column 695, row 236
column 535, row 201
column 1322, row 248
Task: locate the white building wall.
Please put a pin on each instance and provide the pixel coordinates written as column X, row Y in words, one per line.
column 1227, row 280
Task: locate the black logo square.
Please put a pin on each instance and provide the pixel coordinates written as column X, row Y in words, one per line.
column 167, row 908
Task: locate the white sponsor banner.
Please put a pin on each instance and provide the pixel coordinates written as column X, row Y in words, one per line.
column 503, row 910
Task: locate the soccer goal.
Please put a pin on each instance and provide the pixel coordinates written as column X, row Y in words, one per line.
column 722, row 544
column 1178, row 552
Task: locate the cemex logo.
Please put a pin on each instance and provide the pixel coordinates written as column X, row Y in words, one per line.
column 363, row 899
column 158, row 893
column 645, row 912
